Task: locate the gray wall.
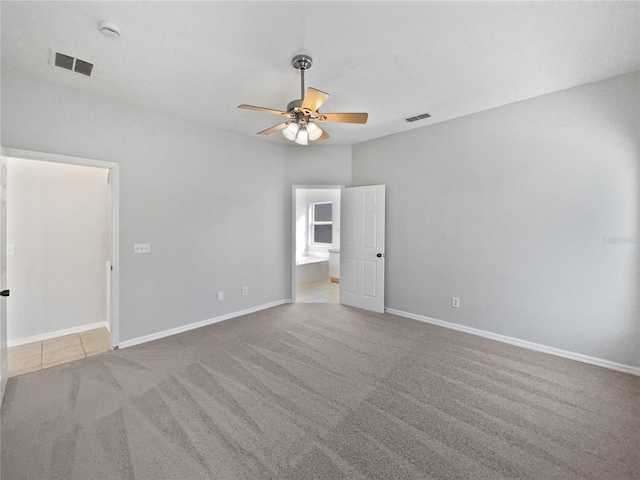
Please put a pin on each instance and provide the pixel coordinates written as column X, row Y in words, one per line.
column 318, row 165
column 214, row 205
column 58, row 219
column 209, row 202
column 508, row 209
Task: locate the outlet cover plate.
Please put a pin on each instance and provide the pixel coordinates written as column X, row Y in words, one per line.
column 142, row 248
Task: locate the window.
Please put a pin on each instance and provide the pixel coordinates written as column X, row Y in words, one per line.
column 322, row 223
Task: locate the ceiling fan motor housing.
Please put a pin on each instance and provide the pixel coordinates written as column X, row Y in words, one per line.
column 294, row 104
column 302, row 117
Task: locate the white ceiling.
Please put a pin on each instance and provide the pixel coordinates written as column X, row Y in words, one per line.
column 200, row 60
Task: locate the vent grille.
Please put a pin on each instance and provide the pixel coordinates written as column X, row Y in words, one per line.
column 83, row 67
column 417, row 117
column 64, row 61
column 71, row 63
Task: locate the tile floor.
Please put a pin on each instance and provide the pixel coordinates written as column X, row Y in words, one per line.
column 56, row 351
column 319, row 292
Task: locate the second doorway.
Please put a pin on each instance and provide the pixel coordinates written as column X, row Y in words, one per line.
column 316, row 244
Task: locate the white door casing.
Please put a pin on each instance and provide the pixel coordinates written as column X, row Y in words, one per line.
column 114, row 180
column 4, row 371
column 362, row 247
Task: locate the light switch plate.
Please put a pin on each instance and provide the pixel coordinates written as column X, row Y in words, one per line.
column 142, row 248
column 11, row 249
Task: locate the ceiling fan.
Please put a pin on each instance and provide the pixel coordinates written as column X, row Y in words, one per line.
column 303, row 115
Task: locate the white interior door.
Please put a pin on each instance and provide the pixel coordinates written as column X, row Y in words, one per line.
column 362, row 247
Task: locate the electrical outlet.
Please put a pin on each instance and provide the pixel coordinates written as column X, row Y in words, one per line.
column 455, row 302
column 142, row 248
column 245, row 290
column 220, row 296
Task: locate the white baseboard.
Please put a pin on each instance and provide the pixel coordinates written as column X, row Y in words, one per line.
column 203, row 323
column 521, row 343
column 58, row 333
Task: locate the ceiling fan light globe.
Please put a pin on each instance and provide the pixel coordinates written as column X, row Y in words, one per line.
column 291, row 131
column 314, row 131
column 303, row 137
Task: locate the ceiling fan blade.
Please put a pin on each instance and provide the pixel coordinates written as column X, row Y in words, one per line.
column 313, row 99
column 275, row 128
column 324, row 135
column 343, row 117
column 266, row 110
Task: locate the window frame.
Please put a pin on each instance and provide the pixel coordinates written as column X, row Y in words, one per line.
column 313, row 223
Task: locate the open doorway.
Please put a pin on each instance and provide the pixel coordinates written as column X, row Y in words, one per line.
column 316, row 244
column 61, row 239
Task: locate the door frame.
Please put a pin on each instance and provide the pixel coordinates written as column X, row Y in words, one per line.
column 4, row 370
column 114, row 177
column 294, row 189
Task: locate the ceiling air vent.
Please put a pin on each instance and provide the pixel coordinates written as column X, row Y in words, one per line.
column 64, row 61
column 417, row 117
column 70, row 63
column 83, row 67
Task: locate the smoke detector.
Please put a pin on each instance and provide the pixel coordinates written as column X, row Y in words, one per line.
column 109, row 29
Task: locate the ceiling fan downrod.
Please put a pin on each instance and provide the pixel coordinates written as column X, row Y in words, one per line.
column 302, row 63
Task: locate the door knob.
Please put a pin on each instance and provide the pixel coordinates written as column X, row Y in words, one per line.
column 379, row 255
column 4, row 293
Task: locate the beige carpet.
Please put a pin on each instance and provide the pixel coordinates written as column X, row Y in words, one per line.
column 322, row 391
